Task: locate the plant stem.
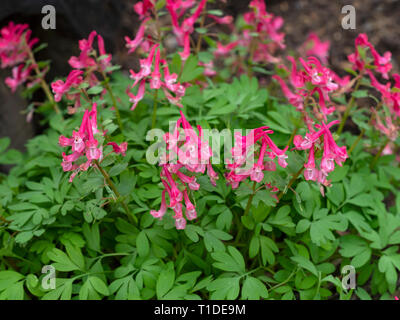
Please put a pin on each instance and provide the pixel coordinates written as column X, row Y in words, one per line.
column 253, row 47
column 363, row 130
column 198, row 46
column 349, row 107
column 246, row 211
column 248, row 206
column 131, row 217
column 154, row 116
column 292, row 136
column 356, row 141
column 3, row 219
column 284, row 282
column 378, row 155
column 294, row 178
column 114, row 101
column 43, row 83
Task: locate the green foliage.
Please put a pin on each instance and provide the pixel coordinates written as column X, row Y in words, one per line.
column 247, row 243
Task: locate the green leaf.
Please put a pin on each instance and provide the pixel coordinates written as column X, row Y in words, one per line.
column 253, row 289
column 99, row 285
column 305, row 264
column 95, row 90
column 117, row 169
column 142, row 244
column 62, row 261
column 229, row 261
column 224, row 288
column 165, row 281
column 11, row 285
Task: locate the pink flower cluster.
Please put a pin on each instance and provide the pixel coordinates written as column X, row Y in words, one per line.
column 84, row 145
column 187, row 151
column 177, row 9
column 267, row 26
column 87, row 58
column 85, row 65
column 382, row 63
column 314, row 78
column 313, row 46
column 268, row 39
column 15, row 43
column 390, row 95
column 243, row 154
column 321, row 139
column 173, row 91
column 182, row 31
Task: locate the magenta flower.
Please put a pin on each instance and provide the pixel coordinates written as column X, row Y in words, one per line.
column 60, row 87
column 221, row 20
column 84, row 146
column 19, row 76
column 186, row 154
column 155, row 81
column 186, row 48
column 86, row 59
column 119, row 149
column 331, row 152
column 14, row 42
column 313, row 46
column 133, row 44
column 224, row 50
column 139, row 96
column 142, row 8
column 245, row 149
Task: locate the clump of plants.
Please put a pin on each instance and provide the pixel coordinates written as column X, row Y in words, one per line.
column 222, row 168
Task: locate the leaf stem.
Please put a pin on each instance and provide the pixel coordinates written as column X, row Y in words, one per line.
column 114, row 101
column 349, row 107
column 154, row 116
column 246, row 211
column 131, row 217
column 43, row 83
column 378, row 155
column 286, row 281
column 294, row 178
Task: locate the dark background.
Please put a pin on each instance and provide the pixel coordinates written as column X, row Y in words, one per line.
column 114, row 19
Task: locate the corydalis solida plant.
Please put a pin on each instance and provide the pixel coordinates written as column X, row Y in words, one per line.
column 84, row 146
column 16, row 51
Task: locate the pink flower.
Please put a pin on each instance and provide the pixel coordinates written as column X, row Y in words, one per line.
column 86, row 60
column 191, row 213
column 19, row 76
column 142, row 8
column 187, row 25
column 155, row 81
column 185, row 151
column 119, row 149
column 224, row 50
column 105, row 61
column 241, row 153
column 186, row 49
column 160, row 213
column 83, row 145
column 315, row 47
column 133, row 44
column 14, row 42
column 331, row 153
column 60, row 87
column 222, row 20
column 139, row 96
column 297, row 100
column 310, row 173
